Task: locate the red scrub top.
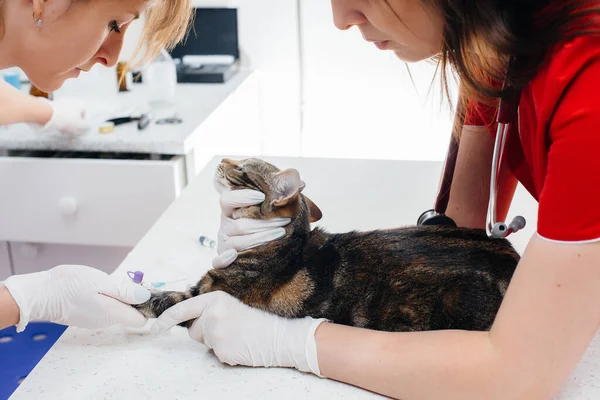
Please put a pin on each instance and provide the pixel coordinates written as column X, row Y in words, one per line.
column 555, row 152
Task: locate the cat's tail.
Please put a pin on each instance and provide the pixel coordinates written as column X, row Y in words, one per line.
column 160, row 301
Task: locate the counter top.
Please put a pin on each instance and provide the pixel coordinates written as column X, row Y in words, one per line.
column 355, row 194
column 195, row 103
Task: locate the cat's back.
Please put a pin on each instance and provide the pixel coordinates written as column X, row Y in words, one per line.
column 412, row 278
column 426, row 247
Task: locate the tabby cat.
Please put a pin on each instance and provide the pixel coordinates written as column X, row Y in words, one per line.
column 407, row 279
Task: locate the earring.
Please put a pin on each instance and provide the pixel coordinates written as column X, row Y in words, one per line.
column 38, row 21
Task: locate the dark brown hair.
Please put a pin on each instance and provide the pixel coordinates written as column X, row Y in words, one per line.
column 480, row 36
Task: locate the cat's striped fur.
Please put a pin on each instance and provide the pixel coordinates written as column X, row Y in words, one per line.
column 407, row 279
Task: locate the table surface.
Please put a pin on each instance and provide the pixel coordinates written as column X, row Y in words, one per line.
column 194, row 104
column 353, row 194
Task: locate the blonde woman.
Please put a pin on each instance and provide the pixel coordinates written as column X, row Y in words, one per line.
column 52, row 41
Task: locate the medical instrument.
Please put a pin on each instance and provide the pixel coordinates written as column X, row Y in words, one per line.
column 143, row 120
column 168, row 121
column 34, row 91
column 136, row 276
column 160, row 284
column 124, row 77
column 206, row 242
column 507, row 112
column 160, row 79
column 106, row 127
column 12, row 77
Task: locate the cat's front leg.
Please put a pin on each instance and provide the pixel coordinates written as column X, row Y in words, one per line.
column 160, row 301
column 284, row 299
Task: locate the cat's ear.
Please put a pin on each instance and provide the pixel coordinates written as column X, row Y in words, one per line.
column 289, row 186
column 314, row 212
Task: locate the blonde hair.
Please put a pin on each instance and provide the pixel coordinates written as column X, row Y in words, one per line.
column 167, row 23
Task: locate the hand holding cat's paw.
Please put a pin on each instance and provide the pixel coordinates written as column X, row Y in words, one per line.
column 237, row 235
column 242, row 335
column 77, row 295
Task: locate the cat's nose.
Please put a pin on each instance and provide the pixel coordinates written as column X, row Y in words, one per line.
column 228, row 161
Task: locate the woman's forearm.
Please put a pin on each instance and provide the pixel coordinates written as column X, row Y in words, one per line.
column 20, row 107
column 425, row 365
column 9, row 311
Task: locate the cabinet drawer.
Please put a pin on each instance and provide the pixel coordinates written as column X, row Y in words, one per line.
column 5, row 269
column 35, row 257
column 88, row 201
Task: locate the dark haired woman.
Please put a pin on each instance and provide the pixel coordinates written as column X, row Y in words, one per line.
column 552, row 308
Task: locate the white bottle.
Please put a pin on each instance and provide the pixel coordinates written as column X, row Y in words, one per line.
column 161, row 80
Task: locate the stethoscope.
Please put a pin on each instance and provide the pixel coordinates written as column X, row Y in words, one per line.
column 507, row 112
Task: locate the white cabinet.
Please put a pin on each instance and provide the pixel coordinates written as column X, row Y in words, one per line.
column 33, row 257
column 5, row 268
column 106, row 202
column 88, row 211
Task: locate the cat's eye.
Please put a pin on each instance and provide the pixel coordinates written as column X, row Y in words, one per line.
column 240, row 169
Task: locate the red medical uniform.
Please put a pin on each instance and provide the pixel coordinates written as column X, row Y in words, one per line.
column 553, row 147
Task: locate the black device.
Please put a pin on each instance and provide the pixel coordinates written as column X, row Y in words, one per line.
column 215, row 32
column 143, row 121
column 430, row 217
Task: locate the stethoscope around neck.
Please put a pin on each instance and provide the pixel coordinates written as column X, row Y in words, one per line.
column 507, row 113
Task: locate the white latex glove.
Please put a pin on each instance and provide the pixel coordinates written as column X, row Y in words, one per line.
column 244, row 233
column 68, row 116
column 77, row 295
column 242, row 335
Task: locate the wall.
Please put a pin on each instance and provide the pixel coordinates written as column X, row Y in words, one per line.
column 268, row 32
column 360, row 102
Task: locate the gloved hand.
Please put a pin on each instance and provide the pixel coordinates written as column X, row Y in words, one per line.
column 242, row 234
column 68, row 116
column 77, row 295
column 242, row 335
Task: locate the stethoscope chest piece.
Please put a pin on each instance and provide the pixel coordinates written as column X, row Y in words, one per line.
column 430, row 217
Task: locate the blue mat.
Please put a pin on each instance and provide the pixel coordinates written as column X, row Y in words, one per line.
column 20, row 352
